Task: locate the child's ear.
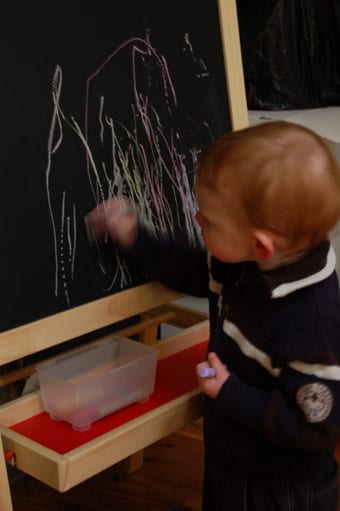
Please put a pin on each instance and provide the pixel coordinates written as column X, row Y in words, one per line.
column 263, row 245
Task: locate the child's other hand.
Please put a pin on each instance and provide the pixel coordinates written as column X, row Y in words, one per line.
column 212, row 386
column 116, row 218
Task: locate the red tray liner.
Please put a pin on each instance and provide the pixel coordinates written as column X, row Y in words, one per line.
column 175, row 375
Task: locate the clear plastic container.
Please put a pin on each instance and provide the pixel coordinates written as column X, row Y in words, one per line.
column 96, row 380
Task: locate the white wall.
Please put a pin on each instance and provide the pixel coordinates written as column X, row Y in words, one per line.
column 335, row 235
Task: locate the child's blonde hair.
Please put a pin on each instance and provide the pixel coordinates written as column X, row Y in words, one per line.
column 284, row 176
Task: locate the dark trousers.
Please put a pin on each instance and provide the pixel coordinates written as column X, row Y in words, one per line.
column 227, row 491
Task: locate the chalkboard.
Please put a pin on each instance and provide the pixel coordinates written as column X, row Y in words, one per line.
column 98, row 100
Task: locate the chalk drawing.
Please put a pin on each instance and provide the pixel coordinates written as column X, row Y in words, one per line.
column 134, row 150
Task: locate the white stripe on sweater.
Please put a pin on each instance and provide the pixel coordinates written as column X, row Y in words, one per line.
column 328, row 372
column 326, row 271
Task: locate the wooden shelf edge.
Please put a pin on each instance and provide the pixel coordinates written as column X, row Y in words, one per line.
column 51, row 330
column 124, row 441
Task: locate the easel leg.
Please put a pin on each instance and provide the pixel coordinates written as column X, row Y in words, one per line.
column 134, row 462
column 5, row 493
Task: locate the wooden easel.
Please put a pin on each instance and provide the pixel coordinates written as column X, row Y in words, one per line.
column 64, row 471
column 152, row 301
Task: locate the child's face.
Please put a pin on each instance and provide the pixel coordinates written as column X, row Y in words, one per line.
column 226, row 237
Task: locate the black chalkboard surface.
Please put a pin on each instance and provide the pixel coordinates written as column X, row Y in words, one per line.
column 110, row 98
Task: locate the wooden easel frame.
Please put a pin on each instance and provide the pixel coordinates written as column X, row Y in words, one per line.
column 64, row 472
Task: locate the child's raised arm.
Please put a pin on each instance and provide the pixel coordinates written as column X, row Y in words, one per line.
column 115, row 218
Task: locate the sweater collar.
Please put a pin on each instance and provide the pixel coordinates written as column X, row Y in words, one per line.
column 315, row 266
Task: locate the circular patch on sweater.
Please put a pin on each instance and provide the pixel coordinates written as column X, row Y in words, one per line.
column 315, row 400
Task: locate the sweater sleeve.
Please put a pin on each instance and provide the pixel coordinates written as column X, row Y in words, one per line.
column 178, row 266
column 301, row 411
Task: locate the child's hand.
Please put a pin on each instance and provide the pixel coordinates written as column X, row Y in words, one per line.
column 212, row 385
column 116, row 218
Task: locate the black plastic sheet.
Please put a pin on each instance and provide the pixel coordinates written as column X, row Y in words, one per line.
column 290, row 51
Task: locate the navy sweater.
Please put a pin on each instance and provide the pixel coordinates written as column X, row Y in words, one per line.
column 279, row 334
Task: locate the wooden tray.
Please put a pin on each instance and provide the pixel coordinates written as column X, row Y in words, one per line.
column 62, row 458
